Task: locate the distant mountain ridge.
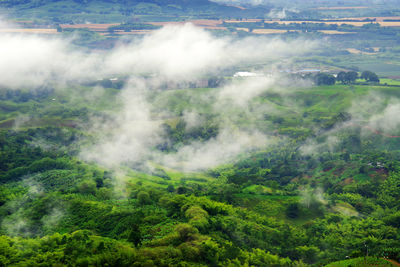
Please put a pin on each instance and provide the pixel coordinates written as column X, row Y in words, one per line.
column 108, row 10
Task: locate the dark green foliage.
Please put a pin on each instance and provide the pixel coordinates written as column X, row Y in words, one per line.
column 143, row 198
column 133, row 26
column 134, row 235
column 369, row 76
column 293, row 210
column 170, row 188
column 324, row 79
column 20, row 96
column 347, row 77
column 87, row 187
column 24, row 158
column 79, row 248
column 180, row 134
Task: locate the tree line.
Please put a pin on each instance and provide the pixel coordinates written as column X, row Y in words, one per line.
column 348, row 77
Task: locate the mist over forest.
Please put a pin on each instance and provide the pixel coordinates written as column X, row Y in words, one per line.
column 199, row 133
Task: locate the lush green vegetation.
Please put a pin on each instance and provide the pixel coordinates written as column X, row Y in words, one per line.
column 276, row 207
column 133, row 26
column 362, row 261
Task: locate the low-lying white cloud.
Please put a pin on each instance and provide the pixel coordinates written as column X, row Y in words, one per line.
column 178, row 52
column 173, row 53
column 186, row 51
column 377, row 114
column 219, row 150
column 277, row 14
column 130, row 134
column 388, row 121
column 241, row 92
column 32, row 61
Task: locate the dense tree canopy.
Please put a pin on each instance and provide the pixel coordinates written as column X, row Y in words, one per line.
column 369, row 76
column 347, row 77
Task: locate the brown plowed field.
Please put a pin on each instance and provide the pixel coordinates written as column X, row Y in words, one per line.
column 92, row 27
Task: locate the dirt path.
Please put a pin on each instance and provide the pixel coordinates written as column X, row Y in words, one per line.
column 380, row 133
column 375, row 131
column 395, row 263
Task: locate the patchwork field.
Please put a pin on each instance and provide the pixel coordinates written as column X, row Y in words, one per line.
column 204, row 23
column 270, row 31
column 334, row 32
column 370, row 18
column 92, row 27
column 356, row 51
column 33, row 31
column 354, row 23
column 341, row 7
column 132, row 32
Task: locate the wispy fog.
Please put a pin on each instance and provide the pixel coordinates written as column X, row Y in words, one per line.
column 373, row 114
column 182, row 53
column 32, row 61
column 173, row 53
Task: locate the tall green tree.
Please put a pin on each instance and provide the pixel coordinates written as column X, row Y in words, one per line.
column 369, row 76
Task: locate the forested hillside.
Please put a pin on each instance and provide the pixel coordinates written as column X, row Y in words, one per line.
column 275, row 207
column 66, row 11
